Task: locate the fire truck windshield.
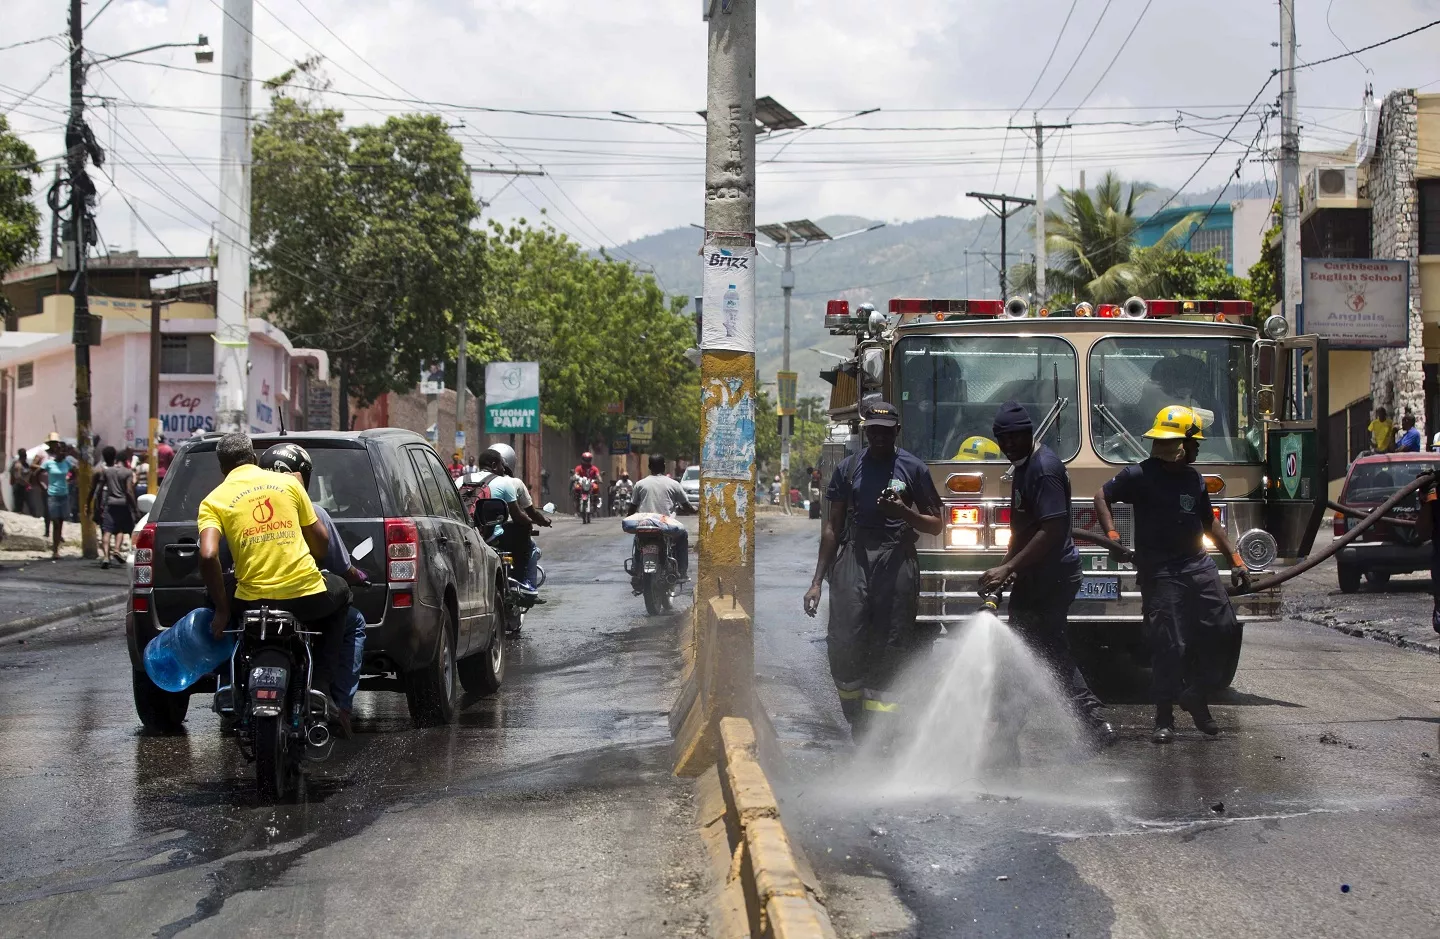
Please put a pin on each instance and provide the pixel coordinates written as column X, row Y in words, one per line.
column 951, row 386
column 1133, row 378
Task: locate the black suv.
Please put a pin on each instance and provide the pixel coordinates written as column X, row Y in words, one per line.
column 431, row 603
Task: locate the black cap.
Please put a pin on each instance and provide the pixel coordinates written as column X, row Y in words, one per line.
column 881, row 414
column 1012, row 418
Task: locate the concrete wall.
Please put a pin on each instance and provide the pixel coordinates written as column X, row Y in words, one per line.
column 1397, row 375
column 1349, row 378
column 1250, row 220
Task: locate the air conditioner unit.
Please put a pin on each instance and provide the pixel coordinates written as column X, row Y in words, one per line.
column 1330, row 184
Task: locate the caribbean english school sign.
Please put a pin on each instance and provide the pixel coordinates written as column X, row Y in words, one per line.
column 512, row 398
column 1357, row 303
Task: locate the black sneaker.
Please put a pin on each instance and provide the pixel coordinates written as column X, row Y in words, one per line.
column 105, row 564
column 1194, row 702
column 1103, row 733
column 1163, row 733
column 1164, row 724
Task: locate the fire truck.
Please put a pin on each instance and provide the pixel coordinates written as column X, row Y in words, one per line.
column 1093, row 378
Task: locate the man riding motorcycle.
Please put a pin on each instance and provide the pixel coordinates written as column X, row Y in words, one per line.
column 585, row 470
column 277, row 542
column 662, row 495
column 497, row 465
column 345, row 675
column 620, row 492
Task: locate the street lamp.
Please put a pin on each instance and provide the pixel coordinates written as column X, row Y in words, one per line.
column 801, row 234
column 203, row 52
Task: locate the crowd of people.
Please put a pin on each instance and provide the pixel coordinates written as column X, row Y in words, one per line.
column 44, row 483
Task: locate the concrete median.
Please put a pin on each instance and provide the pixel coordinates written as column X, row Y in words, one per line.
column 762, row 888
column 719, row 681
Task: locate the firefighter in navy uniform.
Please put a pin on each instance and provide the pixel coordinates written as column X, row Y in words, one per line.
column 1189, row 622
column 879, row 499
column 1427, row 528
column 1042, row 565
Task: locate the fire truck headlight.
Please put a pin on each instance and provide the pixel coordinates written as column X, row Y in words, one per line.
column 1276, row 327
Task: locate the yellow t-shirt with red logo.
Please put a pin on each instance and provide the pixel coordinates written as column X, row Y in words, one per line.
column 261, row 514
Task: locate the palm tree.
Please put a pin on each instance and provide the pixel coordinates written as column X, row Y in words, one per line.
column 1091, row 243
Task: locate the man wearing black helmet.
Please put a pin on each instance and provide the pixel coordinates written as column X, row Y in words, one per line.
column 349, row 652
column 276, row 540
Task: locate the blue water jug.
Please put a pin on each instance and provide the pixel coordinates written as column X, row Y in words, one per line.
column 182, row 654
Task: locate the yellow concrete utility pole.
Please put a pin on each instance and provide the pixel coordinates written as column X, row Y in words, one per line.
column 727, row 364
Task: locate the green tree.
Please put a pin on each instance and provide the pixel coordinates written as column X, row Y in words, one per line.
column 19, row 218
column 1091, row 242
column 363, row 240
column 1264, row 274
column 601, row 332
column 1190, row 275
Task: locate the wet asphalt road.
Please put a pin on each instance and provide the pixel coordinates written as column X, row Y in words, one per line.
column 1326, row 776
column 547, row 810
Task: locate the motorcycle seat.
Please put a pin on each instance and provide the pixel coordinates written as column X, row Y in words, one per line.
column 651, row 522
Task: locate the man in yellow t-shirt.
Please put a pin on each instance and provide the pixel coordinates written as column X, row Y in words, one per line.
column 1382, row 432
column 276, row 540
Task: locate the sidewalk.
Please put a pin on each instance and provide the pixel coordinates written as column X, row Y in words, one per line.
column 37, row 591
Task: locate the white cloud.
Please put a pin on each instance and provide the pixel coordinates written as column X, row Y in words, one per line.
column 822, row 58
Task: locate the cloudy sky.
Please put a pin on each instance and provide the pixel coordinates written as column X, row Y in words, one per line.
column 947, row 76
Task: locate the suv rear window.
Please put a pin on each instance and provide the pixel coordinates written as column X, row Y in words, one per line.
column 1376, row 482
column 342, row 483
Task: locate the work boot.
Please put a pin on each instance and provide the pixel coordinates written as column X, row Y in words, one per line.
column 1164, row 724
column 1102, row 733
column 1193, row 700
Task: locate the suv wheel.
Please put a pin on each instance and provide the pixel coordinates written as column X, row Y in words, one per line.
column 1349, row 578
column 432, row 691
column 483, row 672
column 160, row 711
column 1377, row 580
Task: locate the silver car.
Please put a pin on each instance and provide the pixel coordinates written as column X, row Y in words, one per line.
column 690, row 482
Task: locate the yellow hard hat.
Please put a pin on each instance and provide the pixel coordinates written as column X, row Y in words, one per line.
column 979, row 448
column 1176, row 422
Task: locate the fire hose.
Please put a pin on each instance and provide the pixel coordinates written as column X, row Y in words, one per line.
column 1375, row 517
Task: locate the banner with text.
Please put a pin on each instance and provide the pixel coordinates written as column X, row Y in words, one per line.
column 729, row 305
column 512, row 398
column 1356, row 303
column 786, row 383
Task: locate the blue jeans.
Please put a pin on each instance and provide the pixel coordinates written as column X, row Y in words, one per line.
column 349, row 655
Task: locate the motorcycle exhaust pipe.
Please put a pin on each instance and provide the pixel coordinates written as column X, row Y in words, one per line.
column 317, row 735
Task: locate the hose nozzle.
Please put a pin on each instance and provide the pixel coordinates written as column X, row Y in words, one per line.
column 990, row 600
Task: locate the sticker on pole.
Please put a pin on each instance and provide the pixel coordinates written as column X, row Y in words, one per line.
column 1291, row 463
column 512, row 398
column 729, row 305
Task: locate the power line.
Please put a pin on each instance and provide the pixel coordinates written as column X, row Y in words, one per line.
column 1109, row 62
column 1373, row 45
column 1075, row 60
column 1051, row 57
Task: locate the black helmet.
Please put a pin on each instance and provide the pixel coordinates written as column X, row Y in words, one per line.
column 288, row 458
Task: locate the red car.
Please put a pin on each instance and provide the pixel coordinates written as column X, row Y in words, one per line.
column 1384, row 549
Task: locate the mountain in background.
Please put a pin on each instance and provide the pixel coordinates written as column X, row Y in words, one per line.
column 922, row 258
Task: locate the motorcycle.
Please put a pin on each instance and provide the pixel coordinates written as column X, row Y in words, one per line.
column 514, row 601
column 277, row 715
column 652, row 567
column 620, row 498
column 585, row 487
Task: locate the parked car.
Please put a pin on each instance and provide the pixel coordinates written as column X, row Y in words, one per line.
column 431, row 604
column 690, row 482
column 1384, row 549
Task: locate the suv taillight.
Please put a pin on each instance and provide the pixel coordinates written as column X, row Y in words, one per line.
column 1339, row 524
column 402, row 549
column 144, row 557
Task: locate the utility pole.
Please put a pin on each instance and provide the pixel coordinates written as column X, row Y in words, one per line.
column 77, row 144
column 460, row 397
column 1289, row 169
column 232, row 276
column 787, row 285
column 1040, row 253
column 727, row 361
column 999, row 206
column 152, row 449
column 55, row 220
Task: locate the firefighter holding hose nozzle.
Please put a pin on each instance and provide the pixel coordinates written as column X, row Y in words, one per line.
column 1188, row 616
column 879, row 499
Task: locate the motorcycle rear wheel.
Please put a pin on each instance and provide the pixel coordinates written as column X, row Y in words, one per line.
column 274, row 776
column 656, row 601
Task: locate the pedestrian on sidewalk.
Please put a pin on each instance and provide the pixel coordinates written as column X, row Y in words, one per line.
column 1382, row 431
column 20, row 482
column 57, row 469
column 164, row 453
column 880, row 500
column 1043, row 566
column 1189, row 621
column 38, row 482
column 1409, row 441
column 112, row 497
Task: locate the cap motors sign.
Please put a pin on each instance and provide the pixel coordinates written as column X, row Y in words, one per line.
column 1357, row 303
column 512, row 398
column 186, row 407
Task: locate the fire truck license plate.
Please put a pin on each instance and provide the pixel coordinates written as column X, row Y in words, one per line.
column 1099, row 588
